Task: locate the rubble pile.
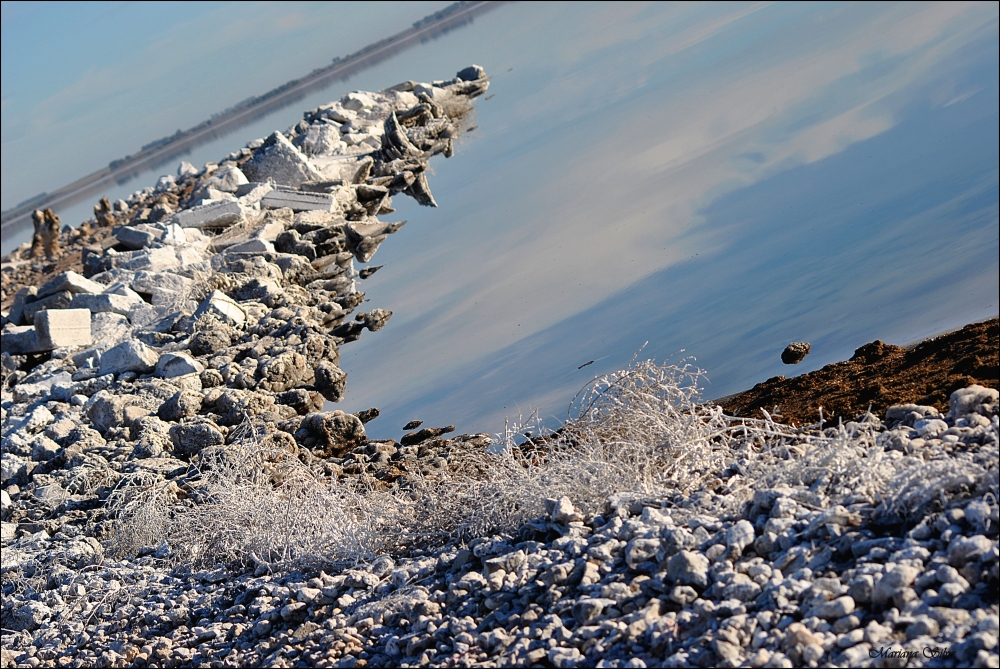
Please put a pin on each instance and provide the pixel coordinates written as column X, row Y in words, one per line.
column 204, row 322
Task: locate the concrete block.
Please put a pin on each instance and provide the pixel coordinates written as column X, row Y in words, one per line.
column 221, row 306
column 72, row 282
column 56, row 328
column 129, row 356
column 298, row 201
column 59, row 300
column 217, row 214
column 106, row 303
column 19, row 339
column 177, row 364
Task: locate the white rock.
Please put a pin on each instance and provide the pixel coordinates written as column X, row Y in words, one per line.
column 222, row 307
column 969, row 400
column 164, row 183
column 149, row 282
column 357, row 101
column 279, row 161
column 227, row 179
column 186, row 169
column 56, row 328
column 70, row 281
column 106, row 303
column 135, row 238
column 252, row 246
column 129, row 356
column 320, row 139
column 171, row 365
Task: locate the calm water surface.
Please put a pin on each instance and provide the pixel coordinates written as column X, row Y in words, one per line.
column 720, row 180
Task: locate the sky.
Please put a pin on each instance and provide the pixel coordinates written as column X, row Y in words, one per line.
column 84, row 83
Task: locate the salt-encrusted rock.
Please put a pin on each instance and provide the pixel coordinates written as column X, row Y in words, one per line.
column 192, row 438
column 183, row 404
column 222, row 307
column 968, row 549
column 129, row 356
column 149, row 283
column 107, row 410
column 171, row 365
column 186, row 169
column 973, row 399
column 108, row 328
column 30, row 616
column 471, row 73
column 227, row 179
column 319, row 139
column 688, row 568
column 795, row 352
column 279, row 161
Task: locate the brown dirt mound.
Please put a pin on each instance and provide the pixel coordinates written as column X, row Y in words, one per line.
column 881, row 375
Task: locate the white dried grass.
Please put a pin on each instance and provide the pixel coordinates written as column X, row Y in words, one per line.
column 642, row 430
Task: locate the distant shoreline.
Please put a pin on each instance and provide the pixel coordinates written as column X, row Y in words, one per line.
column 164, row 150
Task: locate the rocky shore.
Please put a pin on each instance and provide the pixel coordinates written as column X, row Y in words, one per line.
column 175, row 493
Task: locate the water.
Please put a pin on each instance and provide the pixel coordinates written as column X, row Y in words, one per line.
column 714, row 180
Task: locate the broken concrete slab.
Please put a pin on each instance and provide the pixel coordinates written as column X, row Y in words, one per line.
column 223, row 307
column 56, row 328
column 299, row 201
column 70, row 281
column 105, row 303
column 279, row 161
column 217, row 214
column 129, row 356
column 172, row 365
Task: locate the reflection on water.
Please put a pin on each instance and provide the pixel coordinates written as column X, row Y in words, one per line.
column 714, row 180
column 717, row 179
